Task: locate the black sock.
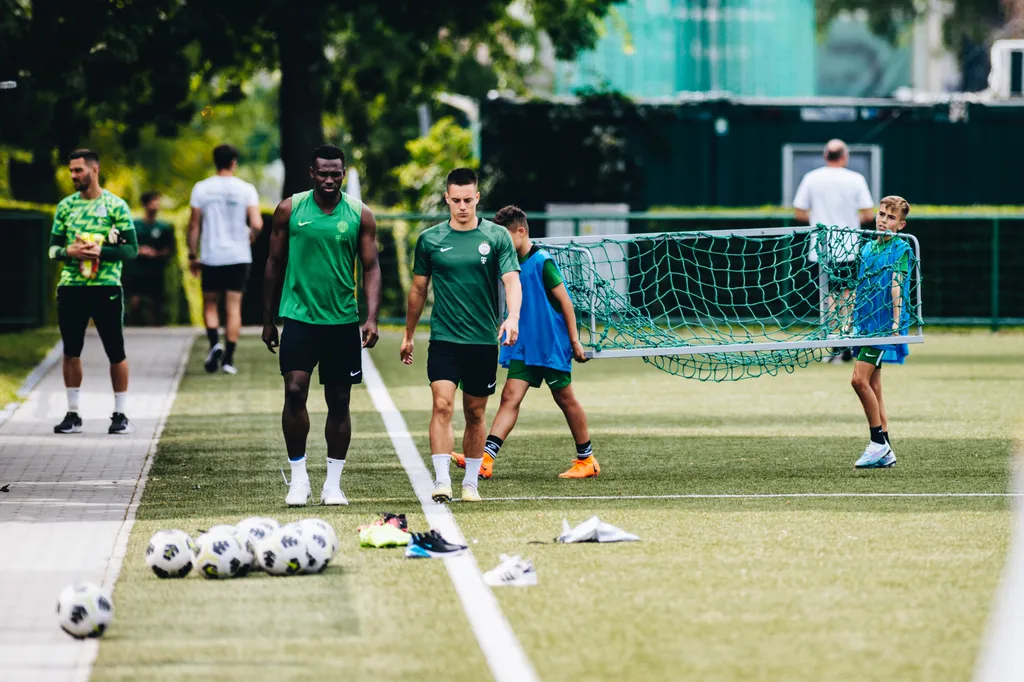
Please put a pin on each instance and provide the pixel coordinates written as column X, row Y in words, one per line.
column 584, row 450
column 885, row 435
column 229, row 353
column 492, row 446
column 211, row 336
column 877, row 436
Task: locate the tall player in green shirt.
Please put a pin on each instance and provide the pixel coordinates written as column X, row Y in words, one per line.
column 465, row 257
column 310, row 282
column 92, row 235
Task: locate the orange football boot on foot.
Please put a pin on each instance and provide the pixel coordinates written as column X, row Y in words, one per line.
column 582, row 468
column 486, row 467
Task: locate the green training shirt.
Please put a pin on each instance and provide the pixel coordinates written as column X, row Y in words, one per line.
column 320, row 280
column 91, row 220
column 466, row 268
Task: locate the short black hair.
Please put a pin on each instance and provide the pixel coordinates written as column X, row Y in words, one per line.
column 86, row 154
column 149, row 196
column 224, row 155
column 834, row 155
column 461, row 176
column 512, row 216
column 328, row 152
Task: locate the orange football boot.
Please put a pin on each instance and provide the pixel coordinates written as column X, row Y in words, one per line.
column 486, row 467
column 582, row 468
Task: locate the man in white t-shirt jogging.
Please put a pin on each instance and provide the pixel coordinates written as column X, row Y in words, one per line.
column 836, row 196
column 225, row 222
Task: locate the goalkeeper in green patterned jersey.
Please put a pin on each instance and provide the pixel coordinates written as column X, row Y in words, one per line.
column 93, row 234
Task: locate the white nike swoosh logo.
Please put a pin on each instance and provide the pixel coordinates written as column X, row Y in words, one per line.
column 447, row 249
column 356, row 373
column 303, row 224
column 491, row 385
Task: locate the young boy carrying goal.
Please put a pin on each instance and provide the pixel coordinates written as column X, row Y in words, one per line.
column 882, row 307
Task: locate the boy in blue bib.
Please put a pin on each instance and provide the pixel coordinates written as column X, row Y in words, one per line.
column 882, row 308
column 548, row 341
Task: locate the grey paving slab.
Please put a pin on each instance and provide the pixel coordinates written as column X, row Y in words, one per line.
column 69, row 496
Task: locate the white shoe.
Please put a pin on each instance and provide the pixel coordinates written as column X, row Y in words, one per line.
column 332, row 496
column 228, row 369
column 299, row 493
column 512, row 571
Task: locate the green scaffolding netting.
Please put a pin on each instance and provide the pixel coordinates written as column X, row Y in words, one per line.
column 724, row 306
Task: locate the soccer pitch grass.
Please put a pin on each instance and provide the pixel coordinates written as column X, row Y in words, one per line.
column 798, row 588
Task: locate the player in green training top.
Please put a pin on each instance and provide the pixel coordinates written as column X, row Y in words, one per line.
column 92, row 235
column 310, row 282
column 465, row 257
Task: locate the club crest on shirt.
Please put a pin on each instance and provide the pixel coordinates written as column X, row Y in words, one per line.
column 484, row 249
column 342, row 225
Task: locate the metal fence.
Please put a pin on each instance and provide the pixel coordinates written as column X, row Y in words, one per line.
column 972, row 264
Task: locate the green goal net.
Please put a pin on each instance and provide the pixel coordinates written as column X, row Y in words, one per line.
column 730, row 305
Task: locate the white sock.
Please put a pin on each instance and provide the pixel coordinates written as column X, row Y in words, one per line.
column 73, row 394
column 120, row 402
column 334, row 469
column 441, row 463
column 299, row 469
column 472, row 471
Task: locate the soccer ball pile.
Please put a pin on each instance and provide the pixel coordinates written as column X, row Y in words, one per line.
column 255, row 543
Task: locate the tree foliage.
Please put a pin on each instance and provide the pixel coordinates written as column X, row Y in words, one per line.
column 146, row 65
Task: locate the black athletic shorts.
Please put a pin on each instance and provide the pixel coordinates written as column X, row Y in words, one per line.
column 225, row 277
column 473, row 366
column 337, row 348
column 105, row 305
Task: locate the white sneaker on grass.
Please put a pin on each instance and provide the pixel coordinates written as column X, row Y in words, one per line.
column 332, row 496
column 874, row 456
column 228, row 368
column 299, row 493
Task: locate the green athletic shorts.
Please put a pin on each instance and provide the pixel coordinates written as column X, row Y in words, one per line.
column 871, row 355
column 534, row 375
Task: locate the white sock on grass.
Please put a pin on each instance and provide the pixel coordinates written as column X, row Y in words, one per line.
column 299, row 469
column 472, row 471
column 441, row 463
column 334, row 469
column 121, row 402
column 73, row 395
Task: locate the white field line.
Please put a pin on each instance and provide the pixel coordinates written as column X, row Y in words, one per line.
column 505, row 656
column 1001, row 658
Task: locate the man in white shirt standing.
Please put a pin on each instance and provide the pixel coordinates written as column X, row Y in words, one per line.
column 836, row 196
column 225, row 222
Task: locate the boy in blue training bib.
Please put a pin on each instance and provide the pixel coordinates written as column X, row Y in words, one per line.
column 882, row 308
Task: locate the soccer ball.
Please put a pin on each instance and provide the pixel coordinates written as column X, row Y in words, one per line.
column 253, row 529
column 84, row 610
column 321, row 542
column 322, row 526
column 248, row 559
column 170, row 553
column 283, row 552
column 220, row 555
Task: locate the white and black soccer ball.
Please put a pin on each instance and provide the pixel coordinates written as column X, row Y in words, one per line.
column 283, row 552
column 321, row 526
column 253, row 529
column 84, row 610
column 321, row 542
column 248, row 559
column 220, row 555
column 170, row 553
